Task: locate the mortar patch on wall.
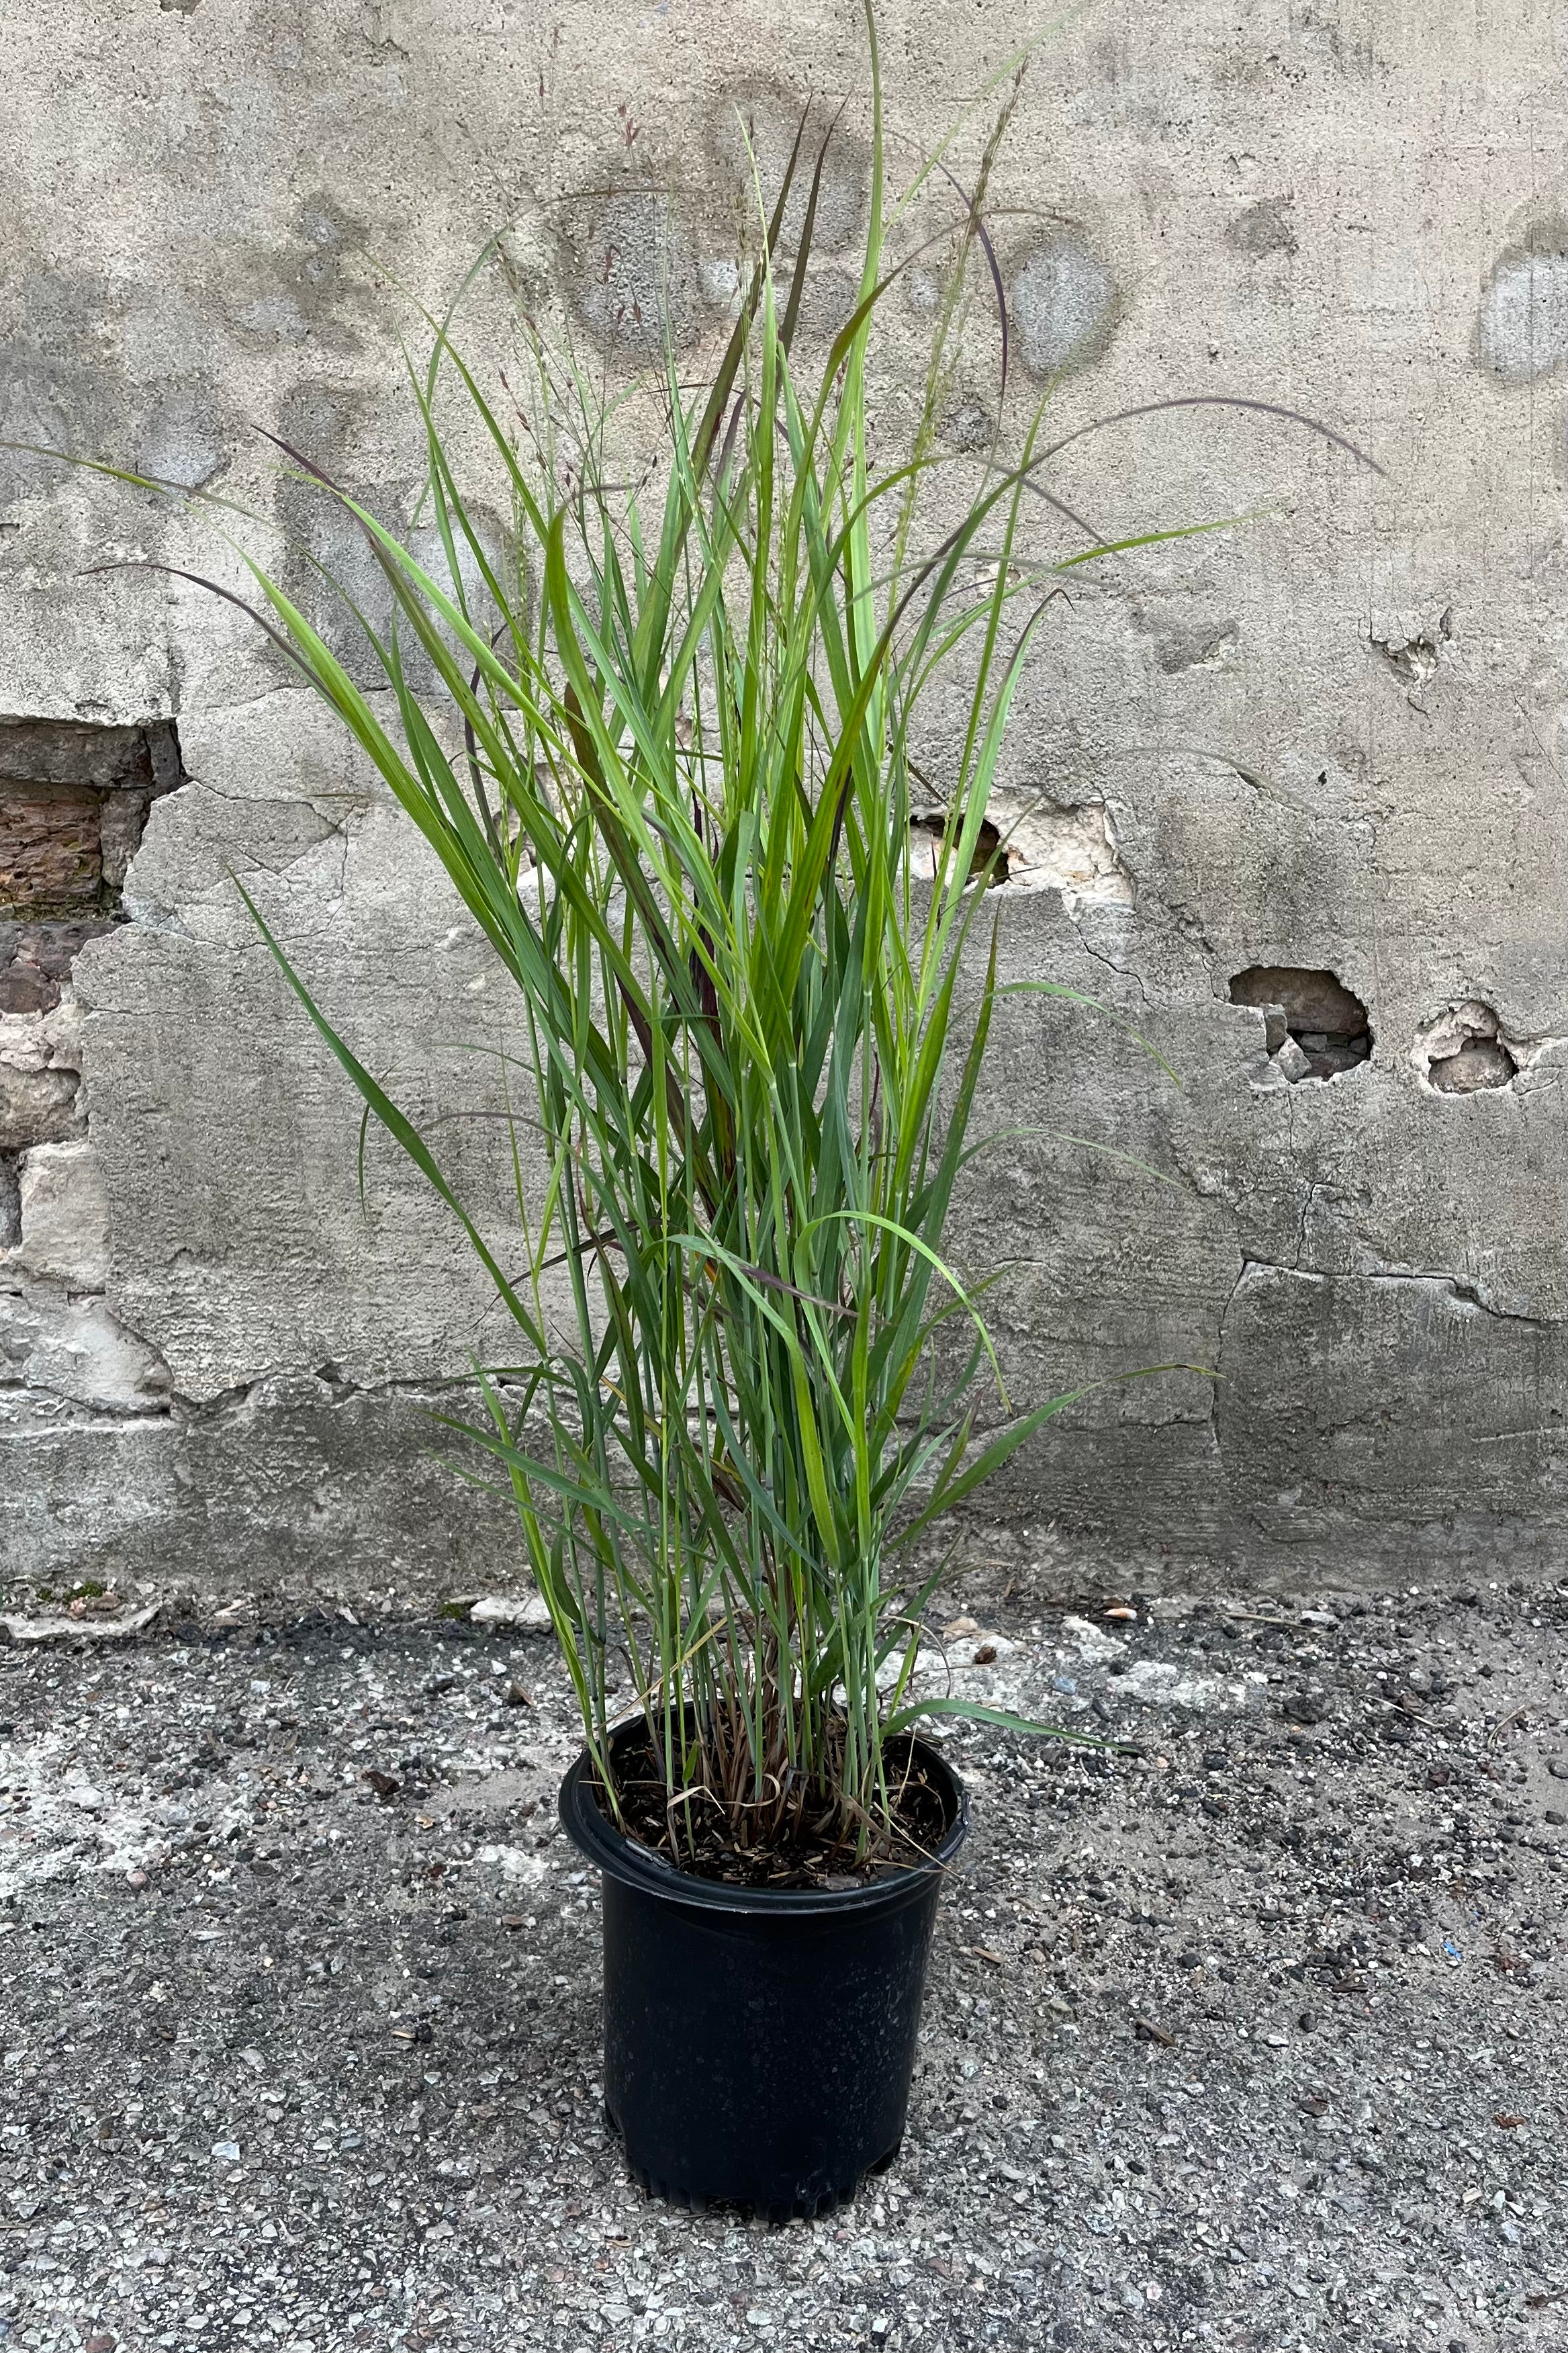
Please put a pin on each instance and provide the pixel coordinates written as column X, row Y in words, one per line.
column 1314, row 1028
column 1523, row 329
column 1063, row 302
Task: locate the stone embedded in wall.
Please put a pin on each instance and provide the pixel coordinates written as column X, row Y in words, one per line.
column 36, row 960
column 65, row 1216
column 38, row 1104
column 1327, row 1032
column 1063, row 304
column 1478, row 1062
column 40, row 1078
column 76, row 1349
column 1522, row 330
column 1462, row 1051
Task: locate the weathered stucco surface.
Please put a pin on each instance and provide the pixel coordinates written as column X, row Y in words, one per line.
column 1329, row 740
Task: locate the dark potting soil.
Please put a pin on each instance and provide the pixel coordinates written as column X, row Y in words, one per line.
column 819, row 1857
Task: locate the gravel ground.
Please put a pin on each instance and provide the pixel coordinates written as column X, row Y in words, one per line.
column 1253, row 2039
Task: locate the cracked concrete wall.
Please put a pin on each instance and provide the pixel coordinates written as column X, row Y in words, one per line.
column 1328, row 739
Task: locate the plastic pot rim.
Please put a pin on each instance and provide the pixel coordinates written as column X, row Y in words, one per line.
column 596, row 1839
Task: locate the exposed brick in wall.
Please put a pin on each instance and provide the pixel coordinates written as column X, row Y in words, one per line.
column 73, row 801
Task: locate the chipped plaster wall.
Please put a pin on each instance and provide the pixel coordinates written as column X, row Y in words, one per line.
column 1330, row 739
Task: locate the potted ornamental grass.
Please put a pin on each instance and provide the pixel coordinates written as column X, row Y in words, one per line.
column 682, row 815
column 666, row 753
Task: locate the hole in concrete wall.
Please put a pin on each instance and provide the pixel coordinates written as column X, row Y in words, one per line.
column 1413, row 661
column 927, row 829
column 1315, row 1028
column 73, row 801
column 1039, row 848
column 1462, row 1051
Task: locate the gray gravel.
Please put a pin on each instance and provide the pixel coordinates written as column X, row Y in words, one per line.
column 1253, row 2040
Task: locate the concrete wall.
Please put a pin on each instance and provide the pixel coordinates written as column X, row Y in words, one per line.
column 1328, row 742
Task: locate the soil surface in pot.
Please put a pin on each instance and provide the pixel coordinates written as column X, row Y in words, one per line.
column 812, row 1857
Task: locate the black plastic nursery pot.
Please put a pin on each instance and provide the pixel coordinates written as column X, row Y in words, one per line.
column 759, row 2043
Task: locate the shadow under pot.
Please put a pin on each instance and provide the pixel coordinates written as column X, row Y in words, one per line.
column 759, row 2042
